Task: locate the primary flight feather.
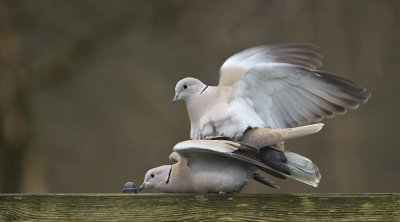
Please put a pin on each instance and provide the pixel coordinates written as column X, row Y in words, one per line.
column 275, row 86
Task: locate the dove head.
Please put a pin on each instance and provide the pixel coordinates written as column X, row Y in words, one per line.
column 187, row 88
column 157, row 177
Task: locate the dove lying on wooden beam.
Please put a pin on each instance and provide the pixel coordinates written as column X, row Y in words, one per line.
column 274, row 86
column 222, row 166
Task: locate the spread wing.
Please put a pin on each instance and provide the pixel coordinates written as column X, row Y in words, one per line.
column 235, row 67
column 286, row 95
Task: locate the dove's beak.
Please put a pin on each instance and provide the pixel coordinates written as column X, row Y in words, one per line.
column 142, row 186
column 175, row 98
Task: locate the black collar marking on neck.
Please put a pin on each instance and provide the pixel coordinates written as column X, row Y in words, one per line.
column 169, row 175
column 204, row 89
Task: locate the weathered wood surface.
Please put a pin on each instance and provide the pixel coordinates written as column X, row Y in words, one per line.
column 191, row 207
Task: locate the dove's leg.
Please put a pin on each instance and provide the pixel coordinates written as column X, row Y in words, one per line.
column 263, row 180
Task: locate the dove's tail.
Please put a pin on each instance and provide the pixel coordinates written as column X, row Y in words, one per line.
column 303, row 130
column 291, row 165
column 261, row 137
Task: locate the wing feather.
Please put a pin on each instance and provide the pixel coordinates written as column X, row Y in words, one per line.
column 302, row 110
column 300, row 168
column 225, row 148
column 285, row 95
column 235, row 67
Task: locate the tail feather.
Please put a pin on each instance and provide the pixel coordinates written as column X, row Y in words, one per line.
column 291, row 165
column 303, row 130
column 302, row 169
column 260, row 137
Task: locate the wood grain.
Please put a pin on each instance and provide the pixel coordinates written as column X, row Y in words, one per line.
column 192, row 207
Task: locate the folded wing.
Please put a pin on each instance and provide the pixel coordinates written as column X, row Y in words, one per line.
column 278, row 163
column 229, row 149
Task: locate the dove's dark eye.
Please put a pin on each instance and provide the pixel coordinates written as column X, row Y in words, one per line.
column 152, row 175
column 185, row 86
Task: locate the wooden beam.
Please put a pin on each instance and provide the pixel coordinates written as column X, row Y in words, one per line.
column 192, row 207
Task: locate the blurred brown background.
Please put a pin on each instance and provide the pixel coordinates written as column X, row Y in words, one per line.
column 86, row 86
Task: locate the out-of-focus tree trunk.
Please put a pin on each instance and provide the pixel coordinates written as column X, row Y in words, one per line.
column 13, row 110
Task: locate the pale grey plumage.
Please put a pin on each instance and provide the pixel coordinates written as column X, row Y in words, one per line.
column 236, row 66
column 260, row 137
column 204, row 166
column 267, row 87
